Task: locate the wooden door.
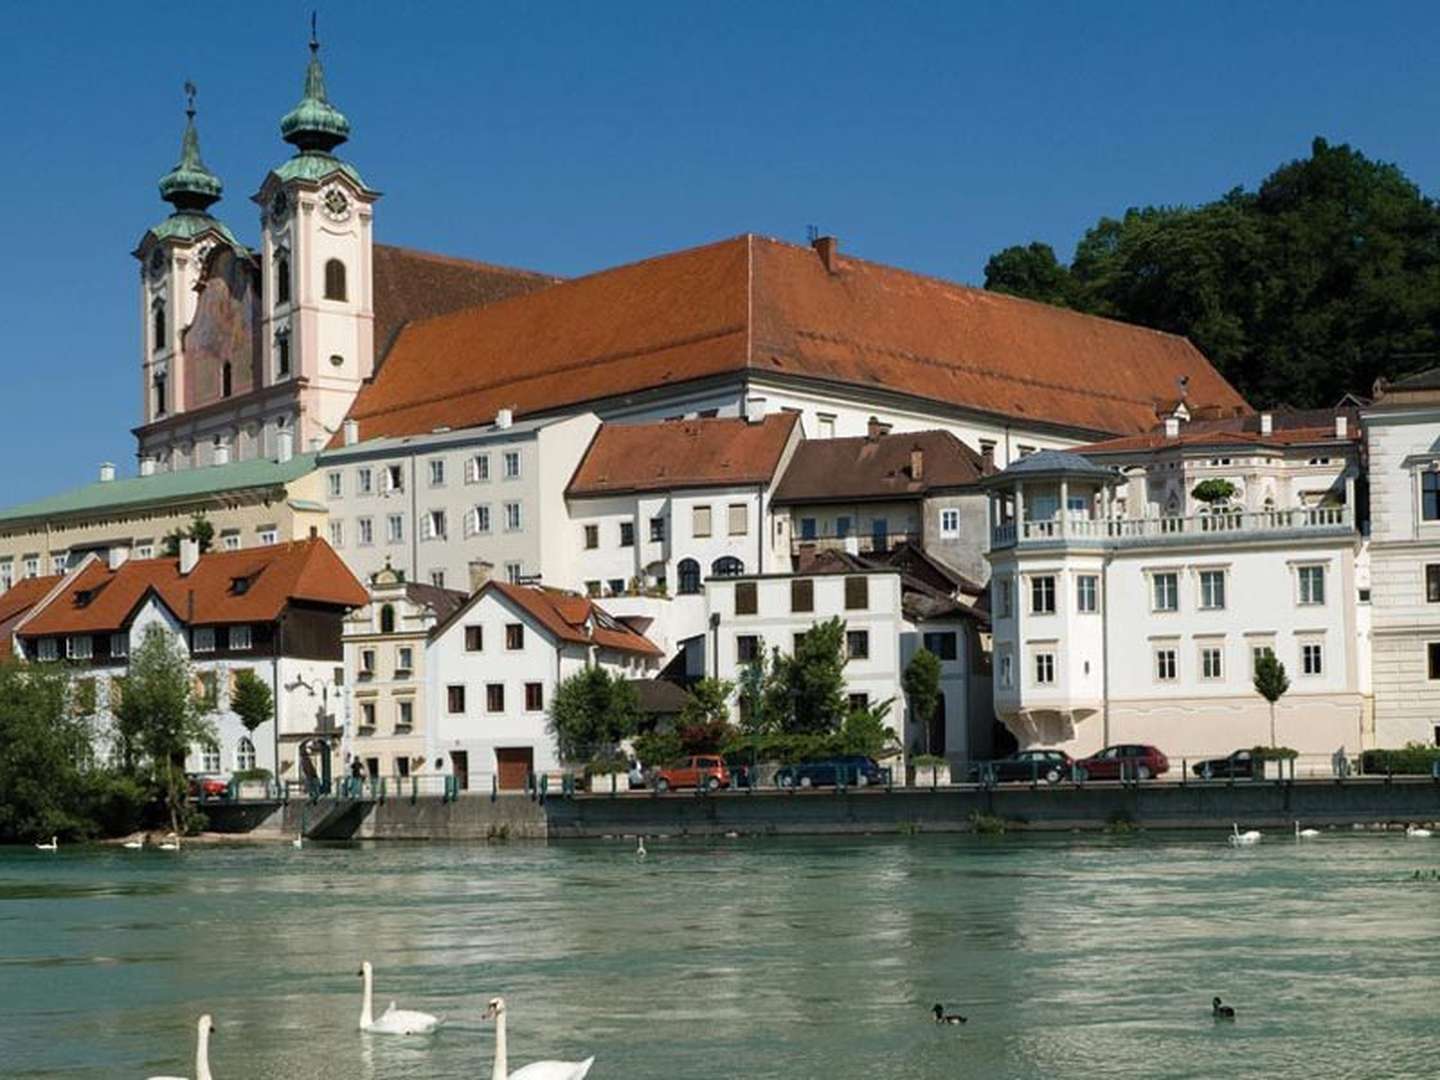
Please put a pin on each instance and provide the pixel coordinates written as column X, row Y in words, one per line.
column 514, row 764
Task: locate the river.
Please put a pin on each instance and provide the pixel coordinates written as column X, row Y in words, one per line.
column 1072, row 956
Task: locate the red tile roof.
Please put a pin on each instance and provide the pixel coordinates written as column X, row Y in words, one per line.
column 760, row 305
column 17, row 600
column 1288, row 428
column 862, row 467
column 709, row 452
column 567, row 616
column 100, row 600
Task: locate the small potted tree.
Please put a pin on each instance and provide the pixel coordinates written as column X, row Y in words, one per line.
column 921, row 682
column 1271, row 682
column 252, row 701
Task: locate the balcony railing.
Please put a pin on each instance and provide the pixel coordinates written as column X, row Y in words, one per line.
column 855, row 543
column 1218, row 526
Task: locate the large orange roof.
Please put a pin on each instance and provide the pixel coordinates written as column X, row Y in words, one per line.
column 247, row 586
column 708, row 452
column 19, row 599
column 567, row 616
column 760, row 305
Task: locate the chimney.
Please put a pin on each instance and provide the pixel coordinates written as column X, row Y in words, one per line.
column 284, row 445
column 504, row 418
column 222, row 453
column 107, row 472
column 352, row 432
column 828, row 248
column 1342, row 427
column 755, row 410
column 1267, row 424
column 874, row 429
column 987, row 458
column 1172, row 427
column 116, row 557
column 147, row 466
column 479, row 573
column 917, row 463
column 189, row 555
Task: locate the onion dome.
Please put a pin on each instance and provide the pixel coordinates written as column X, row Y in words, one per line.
column 190, row 185
column 314, row 124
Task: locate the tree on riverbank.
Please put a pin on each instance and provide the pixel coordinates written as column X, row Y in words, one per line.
column 591, row 712
column 1271, row 682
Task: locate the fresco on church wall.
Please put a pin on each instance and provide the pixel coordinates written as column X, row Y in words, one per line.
column 226, row 328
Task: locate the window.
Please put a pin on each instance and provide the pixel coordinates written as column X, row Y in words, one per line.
column 512, row 464
column 227, row 380
column 210, row 759
column 437, row 578
column 747, row 649
column 477, row 469
column 1432, row 583
column 1256, row 652
column 437, row 472
column 592, row 537
column 857, row 644
column 1312, row 584
column 1042, row 595
column 1212, row 662
column 204, row 640
column 1212, row 590
column 1312, row 658
column 1166, row 665
column 1005, row 597
column 244, row 755
column 858, row 702
column 808, row 529
column 1430, row 496
column 802, row 594
column 404, row 659
column 364, row 480
column 334, row 279
column 627, row 534
column 616, row 586
column 1165, row 592
column 474, row 638
column 241, row 639
column 1024, row 451
column 949, row 523
column 159, row 395
column 739, row 515
column 394, row 478
column 32, row 566
column 513, row 573
column 48, row 649
column 1044, row 669
column 367, row 663
column 494, row 697
column 387, row 619
column 593, row 588
column 727, row 566
column 265, row 537
column 79, row 647
column 7, row 574
column 943, row 643
column 365, row 532
column 480, row 519
column 435, row 525
column 119, row 646
column 367, row 716
column 700, row 523
column 657, row 530
column 207, row 688
column 404, row 718
column 1432, row 651
column 282, row 355
column 514, row 636
column 534, row 697
column 689, row 575
column 282, row 278
column 57, row 564
column 857, row 593
column 512, row 517
column 455, row 698
column 337, row 534
column 157, row 313
column 747, row 600
column 1087, row 593
column 1007, row 670
column 395, row 528
column 843, row 526
column 825, row 425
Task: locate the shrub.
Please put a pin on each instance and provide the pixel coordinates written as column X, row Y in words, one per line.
column 1415, row 759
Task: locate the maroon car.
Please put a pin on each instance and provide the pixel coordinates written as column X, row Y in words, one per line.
column 1126, row 761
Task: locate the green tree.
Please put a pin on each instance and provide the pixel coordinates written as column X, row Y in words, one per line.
column 1031, row 271
column 42, row 751
column 591, row 712
column 1271, row 682
column 200, row 530
column 866, row 732
column 807, row 691
column 704, row 722
column 1214, row 490
column 921, row 682
column 252, row 700
column 159, row 719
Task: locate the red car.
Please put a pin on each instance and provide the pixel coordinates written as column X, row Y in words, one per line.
column 1127, row 761
column 208, row 787
column 704, row 770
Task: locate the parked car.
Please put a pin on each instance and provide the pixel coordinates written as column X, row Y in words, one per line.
column 856, row 769
column 1239, row 764
column 1050, row 766
column 208, row 787
column 1127, row 761
column 702, row 770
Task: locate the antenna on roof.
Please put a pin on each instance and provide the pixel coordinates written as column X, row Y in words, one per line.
column 812, row 233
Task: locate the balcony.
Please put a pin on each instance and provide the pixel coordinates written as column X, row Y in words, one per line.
column 854, row 543
column 1210, row 528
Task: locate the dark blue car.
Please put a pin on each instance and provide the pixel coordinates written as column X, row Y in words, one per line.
column 854, row 769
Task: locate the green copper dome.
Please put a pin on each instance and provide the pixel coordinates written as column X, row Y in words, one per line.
column 314, row 124
column 190, row 185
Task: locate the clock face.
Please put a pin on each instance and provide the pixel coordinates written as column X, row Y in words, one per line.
column 336, row 204
column 278, row 205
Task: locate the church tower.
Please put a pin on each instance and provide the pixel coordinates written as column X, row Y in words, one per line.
column 174, row 258
column 317, row 308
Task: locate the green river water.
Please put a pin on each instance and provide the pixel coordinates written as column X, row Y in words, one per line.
column 1073, row 956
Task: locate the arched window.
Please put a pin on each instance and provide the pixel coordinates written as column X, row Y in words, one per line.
column 157, row 314
column 159, row 395
column 387, row 619
column 334, row 279
column 282, row 277
column 282, row 355
column 244, row 755
column 227, row 382
column 727, row 566
column 689, row 571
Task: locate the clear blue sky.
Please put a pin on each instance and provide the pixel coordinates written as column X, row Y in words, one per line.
column 571, row 136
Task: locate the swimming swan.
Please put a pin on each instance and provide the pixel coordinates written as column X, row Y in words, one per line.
column 1248, row 838
column 170, row 843
column 135, row 845
column 1221, row 1012
column 942, row 1017
column 1305, row 834
column 1412, row 832
column 640, row 851
column 53, row 845
column 392, row 1021
column 538, row 1070
column 202, row 1052
column 298, row 842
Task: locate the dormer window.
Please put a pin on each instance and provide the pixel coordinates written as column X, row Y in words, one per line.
column 334, row 280
column 239, row 586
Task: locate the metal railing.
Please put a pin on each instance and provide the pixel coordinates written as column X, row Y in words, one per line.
column 1141, row 530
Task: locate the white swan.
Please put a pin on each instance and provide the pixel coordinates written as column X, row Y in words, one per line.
column 1417, row 834
column 53, row 845
column 1305, row 834
column 171, row 843
column 135, row 845
column 640, row 851
column 392, row 1021
column 538, row 1070
column 202, row 1051
column 1248, row 838
column 299, row 841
